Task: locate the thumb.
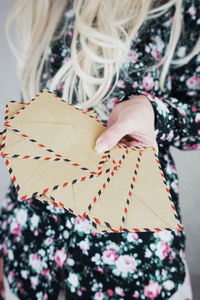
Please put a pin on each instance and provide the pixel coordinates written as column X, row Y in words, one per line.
column 109, row 138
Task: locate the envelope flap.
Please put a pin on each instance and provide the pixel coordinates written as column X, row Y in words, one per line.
column 57, row 127
column 156, row 195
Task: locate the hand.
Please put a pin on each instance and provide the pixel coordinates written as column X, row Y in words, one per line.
column 130, row 123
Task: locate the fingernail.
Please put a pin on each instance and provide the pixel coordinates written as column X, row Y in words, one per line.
column 100, row 147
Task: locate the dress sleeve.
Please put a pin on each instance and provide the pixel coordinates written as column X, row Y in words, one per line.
column 177, row 117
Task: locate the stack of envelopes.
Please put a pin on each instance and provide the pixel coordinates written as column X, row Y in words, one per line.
column 48, row 146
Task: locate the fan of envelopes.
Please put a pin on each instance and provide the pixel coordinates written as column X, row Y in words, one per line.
column 48, row 147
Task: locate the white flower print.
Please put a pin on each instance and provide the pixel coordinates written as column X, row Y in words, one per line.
column 168, row 285
column 126, row 264
column 165, row 236
column 96, row 258
column 21, row 216
column 35, row 220
column 73, row 279
column 24, row 274
column 35, row 262
column 84, row 245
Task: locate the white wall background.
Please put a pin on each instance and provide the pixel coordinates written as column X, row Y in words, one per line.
column 187, row 162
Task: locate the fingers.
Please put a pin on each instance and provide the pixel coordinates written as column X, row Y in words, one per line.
column 117, row 134
column 140, row 144
column 110, row 137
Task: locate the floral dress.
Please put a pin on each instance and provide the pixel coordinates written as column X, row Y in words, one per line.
column 38, row 240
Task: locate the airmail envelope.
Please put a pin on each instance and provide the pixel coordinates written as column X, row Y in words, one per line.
column 48, row 146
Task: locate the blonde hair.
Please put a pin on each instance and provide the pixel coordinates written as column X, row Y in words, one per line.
column 105, row 29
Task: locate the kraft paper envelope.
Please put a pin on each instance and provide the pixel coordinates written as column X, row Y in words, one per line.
column 48, row 146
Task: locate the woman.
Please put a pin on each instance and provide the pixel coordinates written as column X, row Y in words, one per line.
column 136, row 64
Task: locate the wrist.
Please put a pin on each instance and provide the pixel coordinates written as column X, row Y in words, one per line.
column 143, row 99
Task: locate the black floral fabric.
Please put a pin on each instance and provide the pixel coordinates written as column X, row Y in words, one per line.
column 37, row 240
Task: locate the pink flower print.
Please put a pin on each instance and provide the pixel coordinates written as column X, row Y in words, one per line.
column 110, row 292
column 132, row 56
column 4, row 224
column 194, row 83
column 156, row 54
column 152, row 290
column 60, row 257
column 119, row 291
column 48, row 241
column 55, row 218
column 11, row 276
column 112, row 103
column 126, row 264
column 98, row 296
column 164, row 272
column 94, row 233
column 135, row 85
column 79, row 292
column 192, row 147
column 163, row 249
column 170, row 135
column 70, row 33
column 100, row 269
column 109, row 256
column 19, row 285
column 121, row 84
column 192, row 11
column 136, row 295
column 172, row 256
column 169, row 82
column 82, row 225
column 148, row 82
column 9, row 206
column 175, row 187
column 174, row 168
column 132, row 237
column 190, row 93
column 194, row 108
column 45, row 272
column 182, row 112
column 52, row 59
column 169, row 22
column 34, row 281
column 15, row 227
column 160, row 43
column 45, row 297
